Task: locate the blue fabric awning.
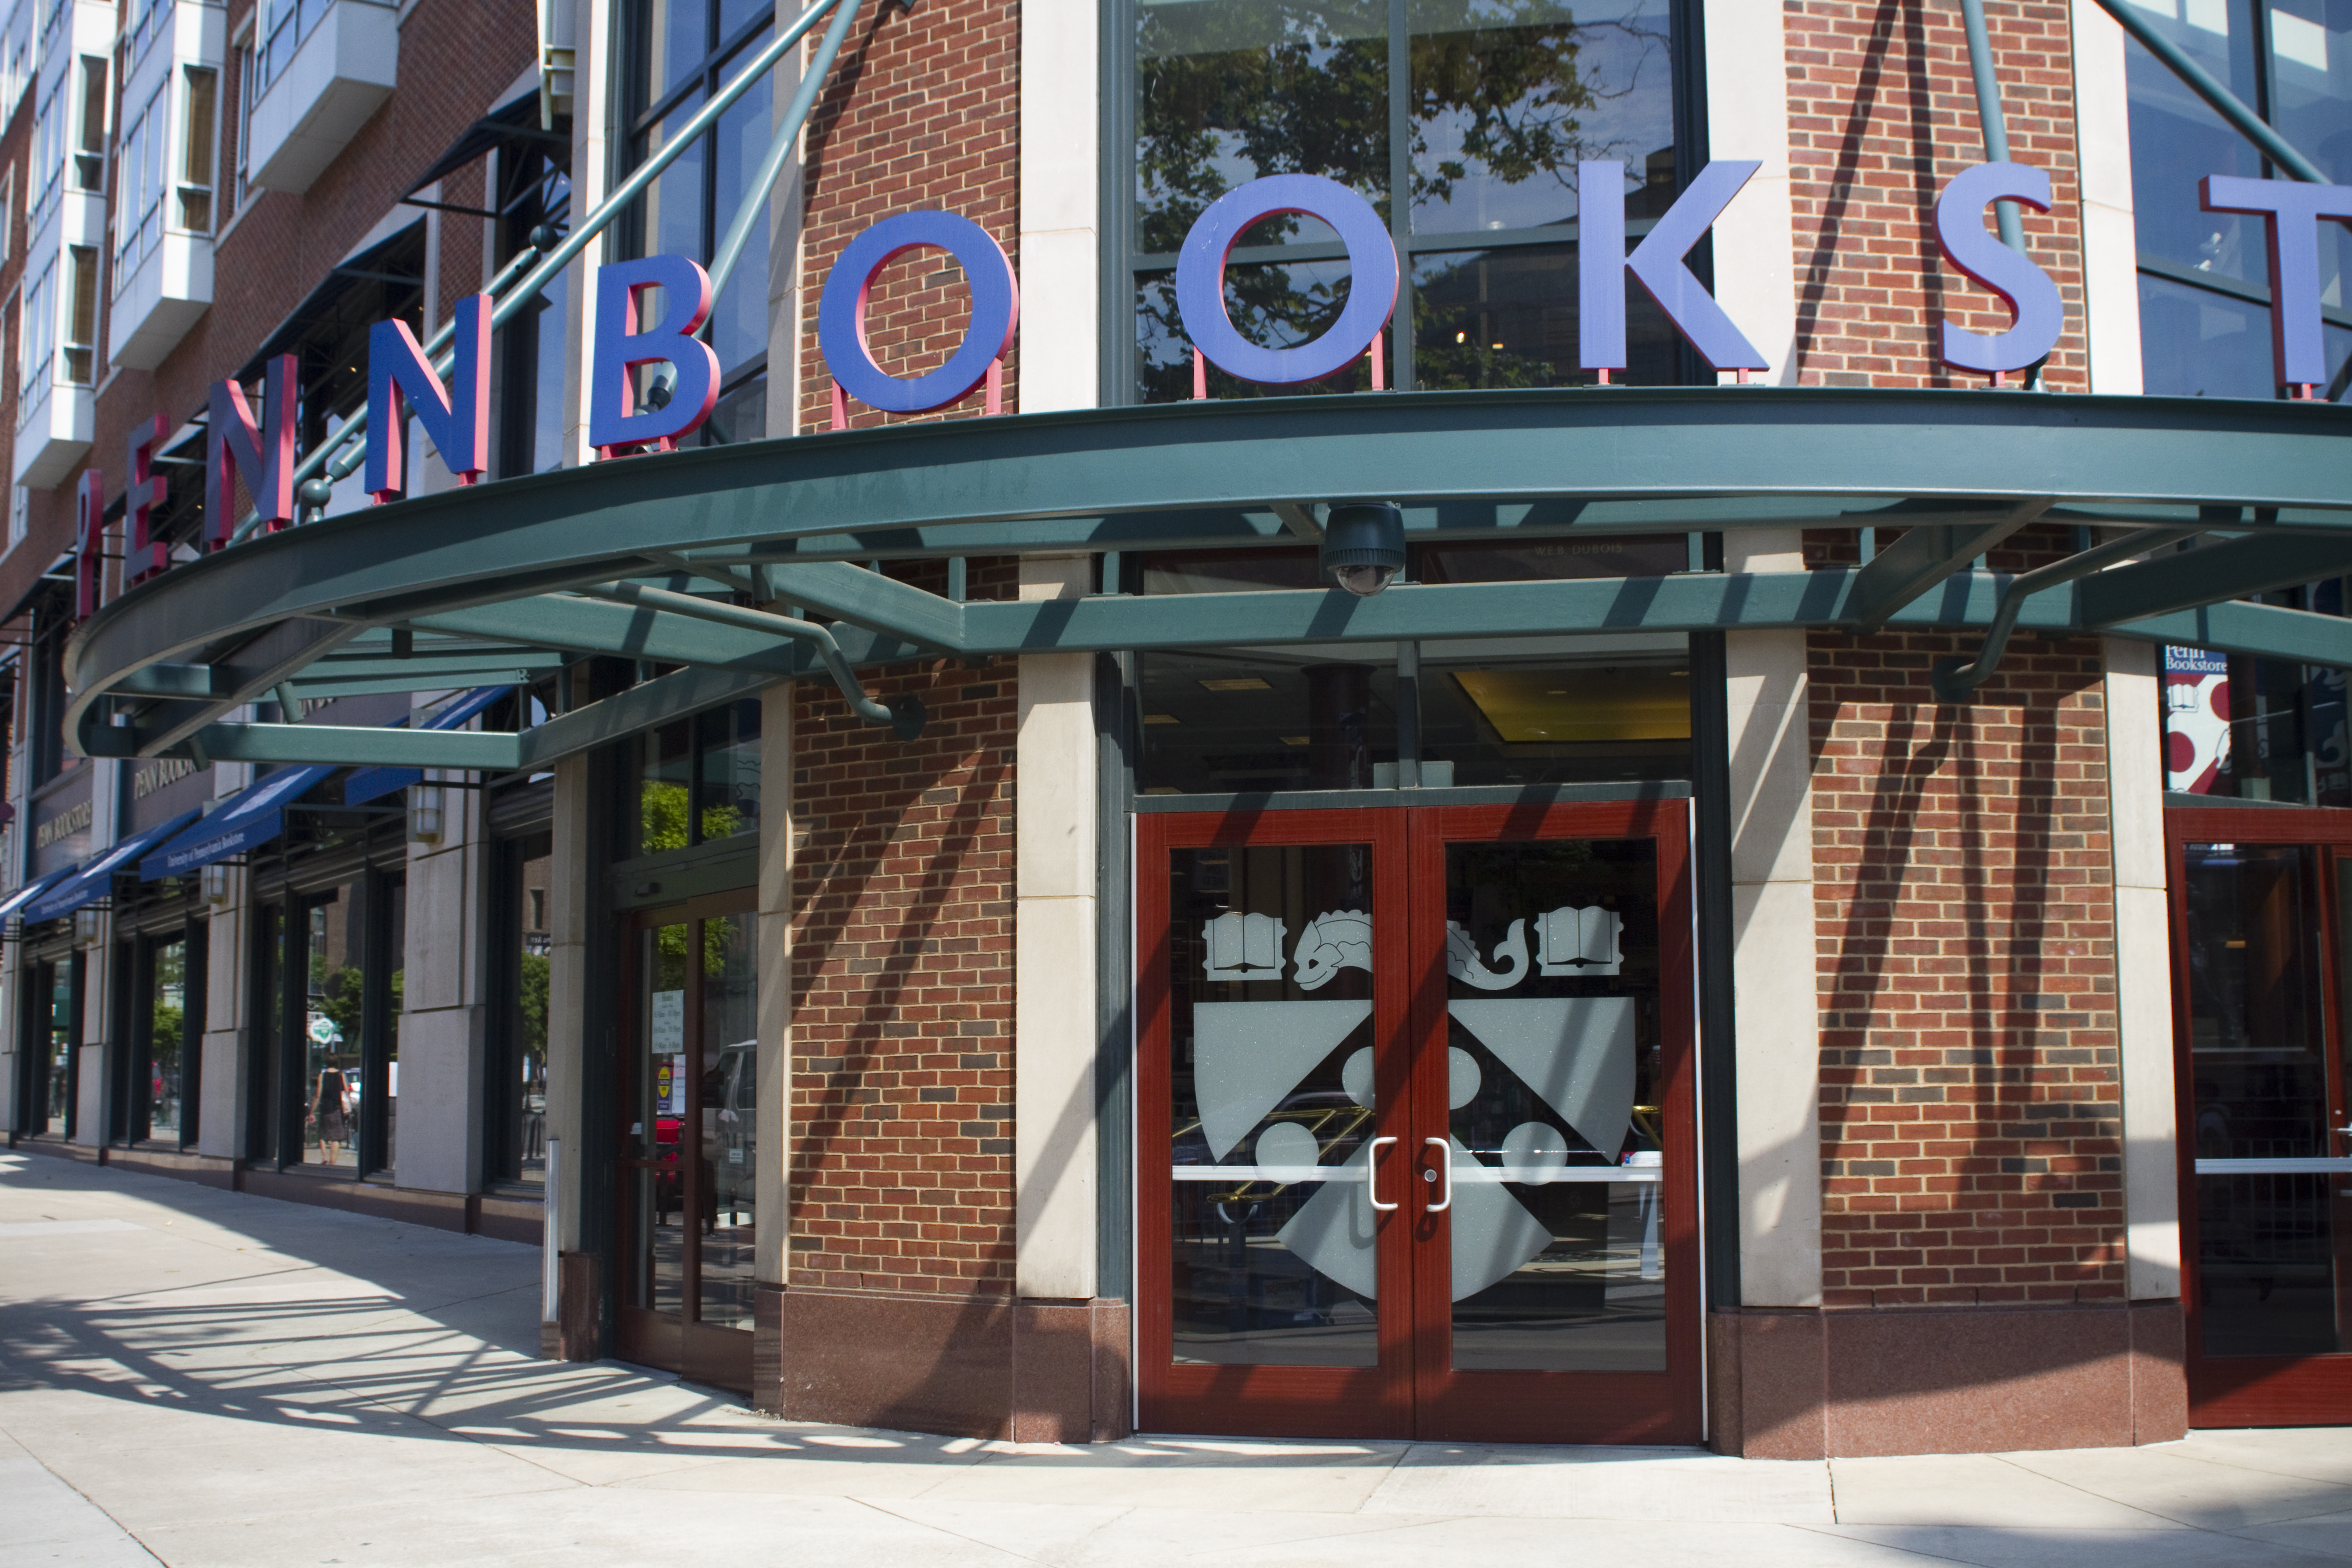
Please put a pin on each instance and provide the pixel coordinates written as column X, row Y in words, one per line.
column 253, row 816
column 95, row 880
column 365, row 784
column 31, row 890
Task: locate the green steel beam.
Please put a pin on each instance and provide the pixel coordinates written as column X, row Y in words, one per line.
column 1573, row 460
column 327, row 687
column 355, row 746
column 1814, row 598
column 869, row 599
column 2265, row 631
column 1923, row 556
column 2256, row 563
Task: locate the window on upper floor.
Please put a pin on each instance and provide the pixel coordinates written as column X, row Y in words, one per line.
column 199, row 146
column 89, row 123
column 160, row 182
column 1461, row 122
column 81, row 312
column 534, row 189
column 248, row 86
column 46, row 176
column 40, row 339
column 2204, row 282
column 8, row 213
column 679, row 52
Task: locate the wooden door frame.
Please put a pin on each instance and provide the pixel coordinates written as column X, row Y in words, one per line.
column 1388, row 1401
column 683, row 1344
column 2252, row 1391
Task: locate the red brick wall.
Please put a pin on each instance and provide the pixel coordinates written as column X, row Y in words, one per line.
column 923, row 110
column 1881, row 112
column 902, row 1173
column 1971, row 1132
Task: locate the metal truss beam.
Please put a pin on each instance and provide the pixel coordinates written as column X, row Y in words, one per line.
column 1924, row 557
column 2232, row 569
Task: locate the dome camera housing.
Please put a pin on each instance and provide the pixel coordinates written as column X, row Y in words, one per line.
column 1363, row 546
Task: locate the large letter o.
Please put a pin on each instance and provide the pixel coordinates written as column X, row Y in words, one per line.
column 1372, row 284
column 840, row 311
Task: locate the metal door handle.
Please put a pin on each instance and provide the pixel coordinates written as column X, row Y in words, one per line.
column 1446, row 1152
column 1372, row 1176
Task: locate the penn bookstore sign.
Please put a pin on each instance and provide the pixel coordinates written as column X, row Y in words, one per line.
column 628, row 332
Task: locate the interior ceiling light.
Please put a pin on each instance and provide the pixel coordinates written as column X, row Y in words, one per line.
column 1296, row 741
column 1235, row 683
column 1161, row 718
column 1363, row 546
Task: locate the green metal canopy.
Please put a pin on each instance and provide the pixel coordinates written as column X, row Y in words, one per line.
column 656, row 557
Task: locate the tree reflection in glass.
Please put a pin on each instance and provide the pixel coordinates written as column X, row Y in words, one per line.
column 1500, row 102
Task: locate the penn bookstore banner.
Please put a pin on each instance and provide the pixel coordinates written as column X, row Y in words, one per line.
column 2196, row 719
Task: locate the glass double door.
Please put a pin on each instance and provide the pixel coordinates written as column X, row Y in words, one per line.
column 1426, row 1082
column 690, row 1140
column 2263, row 912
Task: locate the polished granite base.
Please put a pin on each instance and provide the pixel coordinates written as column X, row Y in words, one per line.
column 1799, row 1384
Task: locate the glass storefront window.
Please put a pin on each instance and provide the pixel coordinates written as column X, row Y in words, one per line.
column 56, row 993
column 334, row 1020
column 1500, row 711
column 395, row 962
column 519, row 1095
column 264, row 1082
column 168, row 1045
column 1498, row 103
column 731, row 1131
column 698, row 780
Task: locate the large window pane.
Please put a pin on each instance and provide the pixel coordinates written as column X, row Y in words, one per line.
column 2177, row 140
column 739, row 317
column 1280, row 307
column 1228, row 90
column 167, row 1041
column 1508, row 96
column 1508, row 318
column 2195, row 343
column 730, row 1129
column 334, row 1023
column 1269, row 1266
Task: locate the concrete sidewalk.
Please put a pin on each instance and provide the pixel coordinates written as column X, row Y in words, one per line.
column 198, row 1377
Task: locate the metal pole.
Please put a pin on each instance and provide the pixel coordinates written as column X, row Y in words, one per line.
column 1989, row 116
column 2225, row 104
column 596, row 222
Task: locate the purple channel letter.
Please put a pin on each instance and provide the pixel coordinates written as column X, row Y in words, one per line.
column 1967, row 244
column 1371, row 282
column 620, row 347
column 265, row 459
column 2291, row 211
column 144, row 554
column 1600, row 265
column 1656, row 264
column 456, row 418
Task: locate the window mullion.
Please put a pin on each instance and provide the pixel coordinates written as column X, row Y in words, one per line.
column 1400, row 356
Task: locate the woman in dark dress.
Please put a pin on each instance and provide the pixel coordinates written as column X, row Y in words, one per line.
column 330, row 1108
